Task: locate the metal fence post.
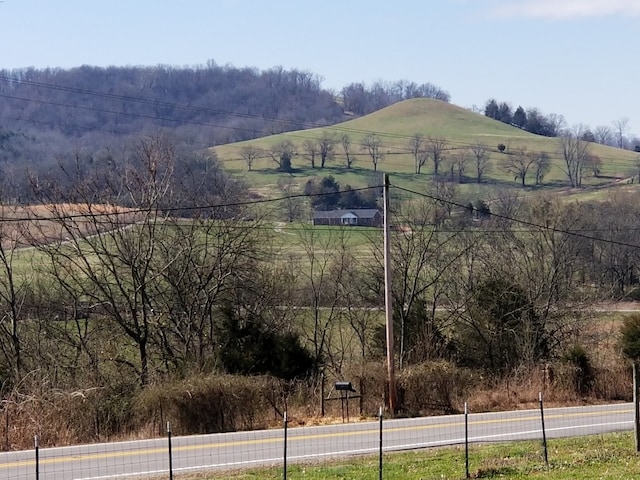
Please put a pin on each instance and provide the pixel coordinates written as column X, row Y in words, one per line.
column 544, row 433
column 6, row 426
column 170, row 454
column 636, row 408
column 466, row 440
column 37, row 447
column 380, row 454
column 284, row 473
column 322, row 394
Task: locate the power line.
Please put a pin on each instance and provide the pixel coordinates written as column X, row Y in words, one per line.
column 183, row 208
column 159, row 103
column 128, row 114
column 91, row 216
column 404, row 150
column 524, row 222
column 264, row 156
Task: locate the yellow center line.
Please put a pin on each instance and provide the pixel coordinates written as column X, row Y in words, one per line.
column 292, row 437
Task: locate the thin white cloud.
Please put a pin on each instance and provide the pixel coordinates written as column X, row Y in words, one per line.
column 567, row 9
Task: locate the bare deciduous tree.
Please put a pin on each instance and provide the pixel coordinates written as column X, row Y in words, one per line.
column 108, row 256
column 293, row 205
column 200, row 265
column 594, row 163
column 603, row 135
column 326, row 148
column 435, row 147
column 311, row 149
column 518, row 163
column 282, row 153
column 249, row 154
column 615, row 258
column 345, row 140
column 557, row 123
column 459, row 163
column 574, row 151
column 480, row 156
column 416, row 147
column 13, row 291
column 424, row 260
column 372, row 144
column 541, row 166
column 620, row 128
column 326, row 259
column 537, row 277
column 153, row 279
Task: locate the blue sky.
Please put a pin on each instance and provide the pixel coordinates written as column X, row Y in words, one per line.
column 577, row 58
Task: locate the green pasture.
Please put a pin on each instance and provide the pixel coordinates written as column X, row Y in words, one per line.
column 609, row 456
column 282, row 239
column 26, row 265
column 292, row 237
column 460, row 128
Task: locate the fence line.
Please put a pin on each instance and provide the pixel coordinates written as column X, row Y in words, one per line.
column 292, row 444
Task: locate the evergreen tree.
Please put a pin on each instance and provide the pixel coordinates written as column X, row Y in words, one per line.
column 491, row 109
column 519, row 117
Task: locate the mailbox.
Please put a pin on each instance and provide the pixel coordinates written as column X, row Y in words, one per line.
column 344, row 387
column 346, row 393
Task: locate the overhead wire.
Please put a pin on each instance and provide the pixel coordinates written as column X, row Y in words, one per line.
column 159, row 103
column 213, row 111
column 123, row 210
column 523, row 222
column 404, row 149
column 534, row 227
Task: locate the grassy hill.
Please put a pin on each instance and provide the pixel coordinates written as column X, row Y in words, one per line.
column 396, row 124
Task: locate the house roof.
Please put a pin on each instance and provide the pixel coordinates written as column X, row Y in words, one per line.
column 358, row 212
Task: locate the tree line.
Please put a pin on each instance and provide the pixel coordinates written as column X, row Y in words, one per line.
column 47, row 115
column 454, row 163
column 553, row 125
column 360, row 98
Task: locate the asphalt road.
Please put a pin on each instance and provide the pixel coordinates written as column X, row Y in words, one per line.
column 248, row 449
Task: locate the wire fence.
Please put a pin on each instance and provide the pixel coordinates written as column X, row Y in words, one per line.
column 173, row 456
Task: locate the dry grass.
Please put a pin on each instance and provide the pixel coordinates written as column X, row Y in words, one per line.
column 24, row 226
column 69, row 417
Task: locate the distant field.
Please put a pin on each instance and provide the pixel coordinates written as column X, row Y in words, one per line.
column 291, row 234
column 22, row 227
column 26, row 225
column 460, row 128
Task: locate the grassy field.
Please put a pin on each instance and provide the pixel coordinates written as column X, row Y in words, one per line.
column 460, row 128
column 610, row 456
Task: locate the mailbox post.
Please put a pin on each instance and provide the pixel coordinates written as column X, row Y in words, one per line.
column 345, row 388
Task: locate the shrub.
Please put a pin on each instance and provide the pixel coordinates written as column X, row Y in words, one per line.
column 630, row 339
column 502, row 328
column 61, row 417
column 370, row 379
column 251, row 348
column 430, row 387
column 210, row 404
column 581, row 369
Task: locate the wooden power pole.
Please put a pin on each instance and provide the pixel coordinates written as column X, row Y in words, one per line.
column 387, row 301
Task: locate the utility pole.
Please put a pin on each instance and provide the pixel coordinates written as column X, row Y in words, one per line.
column 387, row 301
